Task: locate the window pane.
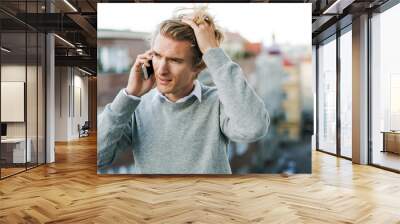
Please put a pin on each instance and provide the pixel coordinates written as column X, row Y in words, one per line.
column 327, row 97
column 345, row 94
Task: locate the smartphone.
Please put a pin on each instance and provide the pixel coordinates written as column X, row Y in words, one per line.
column 147, row 71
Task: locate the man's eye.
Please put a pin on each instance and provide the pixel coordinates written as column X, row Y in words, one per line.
column 176, row 61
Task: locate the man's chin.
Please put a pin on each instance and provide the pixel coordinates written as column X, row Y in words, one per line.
column 162, row 89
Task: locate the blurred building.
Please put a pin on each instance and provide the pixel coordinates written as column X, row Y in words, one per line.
column 240, row 51
column 117, row 51
column 291, row 124
column 234, row 44
column 268, row 78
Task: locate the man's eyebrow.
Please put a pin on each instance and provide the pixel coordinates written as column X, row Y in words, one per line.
column 170, row 58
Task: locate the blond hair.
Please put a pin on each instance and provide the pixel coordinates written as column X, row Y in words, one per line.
column 175, row 29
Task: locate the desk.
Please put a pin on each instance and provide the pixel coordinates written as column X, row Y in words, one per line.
column 391, row 141
column 13, row 150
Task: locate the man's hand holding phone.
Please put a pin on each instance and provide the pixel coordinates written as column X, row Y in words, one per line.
column 138, row 85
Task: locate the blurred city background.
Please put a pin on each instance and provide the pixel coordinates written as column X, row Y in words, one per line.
column 279, row 70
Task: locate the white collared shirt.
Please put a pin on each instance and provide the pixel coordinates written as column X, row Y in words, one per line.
column 196, row 92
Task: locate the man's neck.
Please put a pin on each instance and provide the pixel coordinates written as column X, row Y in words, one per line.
column 173, row 97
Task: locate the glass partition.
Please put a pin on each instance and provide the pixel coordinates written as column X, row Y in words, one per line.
column 22, row 90
column 31, row 98
column 13, row 104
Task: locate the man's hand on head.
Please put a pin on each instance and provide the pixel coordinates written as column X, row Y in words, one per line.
column 205, row 34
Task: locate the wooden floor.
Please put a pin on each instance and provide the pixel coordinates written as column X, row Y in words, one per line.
column 387, row 159
column 70, row 191
column 10, row 171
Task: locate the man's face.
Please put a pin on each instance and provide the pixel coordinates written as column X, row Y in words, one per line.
column 172, row 62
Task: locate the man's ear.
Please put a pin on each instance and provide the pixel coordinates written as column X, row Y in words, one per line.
column 199, row 67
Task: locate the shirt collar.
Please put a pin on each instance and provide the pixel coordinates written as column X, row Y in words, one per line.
column 195, row 92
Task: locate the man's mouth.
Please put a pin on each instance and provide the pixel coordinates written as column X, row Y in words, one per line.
column 164, row 81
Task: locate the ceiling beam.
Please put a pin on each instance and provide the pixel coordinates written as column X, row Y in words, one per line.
column 84, row 24
column 338, row 6
column 82, row 61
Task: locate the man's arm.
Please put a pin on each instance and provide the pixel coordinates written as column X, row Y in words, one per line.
column 117, row 121
column 115, row 126
column 243, row 116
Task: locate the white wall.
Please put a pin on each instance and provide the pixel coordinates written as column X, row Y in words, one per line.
column 80, row 83
column 61, row 103
column 69, row 82
column 16, row 73
column 33, row 126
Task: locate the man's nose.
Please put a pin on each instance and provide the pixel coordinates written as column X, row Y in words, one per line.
column 162, row 67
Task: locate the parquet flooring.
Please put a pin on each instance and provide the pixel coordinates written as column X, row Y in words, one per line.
column 9, row 171
column 70, row 191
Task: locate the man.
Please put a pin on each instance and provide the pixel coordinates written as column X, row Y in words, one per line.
column 182, row 126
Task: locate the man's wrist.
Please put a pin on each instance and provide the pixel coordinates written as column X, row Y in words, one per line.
column 209, row 48
column 131, row 93
column 136, row 97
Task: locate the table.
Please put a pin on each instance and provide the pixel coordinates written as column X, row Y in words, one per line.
column 391, row 141
column 13, row 150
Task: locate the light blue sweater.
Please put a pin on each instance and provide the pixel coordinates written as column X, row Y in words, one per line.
column 189, row 137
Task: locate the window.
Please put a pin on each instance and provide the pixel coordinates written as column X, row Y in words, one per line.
column 327, row 96
column 346, row 94
column 385, row 89
column 114, row 59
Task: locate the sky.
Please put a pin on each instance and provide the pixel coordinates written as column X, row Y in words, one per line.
column 291, row 22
